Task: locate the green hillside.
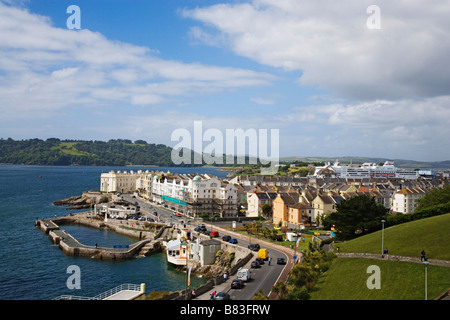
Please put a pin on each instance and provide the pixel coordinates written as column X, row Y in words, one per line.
column 346, row 278
column 407, row 239
column 54, row 151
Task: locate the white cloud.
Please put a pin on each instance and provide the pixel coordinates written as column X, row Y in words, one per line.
column 330, row 42
column 44, row 68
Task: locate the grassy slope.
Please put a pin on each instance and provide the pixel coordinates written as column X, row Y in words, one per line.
column 346, row 278
column 408, row 239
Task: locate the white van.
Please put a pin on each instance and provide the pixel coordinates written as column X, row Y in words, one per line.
column 244, row 274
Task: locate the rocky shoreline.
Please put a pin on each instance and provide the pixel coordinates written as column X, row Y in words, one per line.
column 84, row 201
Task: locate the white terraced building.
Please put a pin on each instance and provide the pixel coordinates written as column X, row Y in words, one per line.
column 119, row 181
column 190, row 194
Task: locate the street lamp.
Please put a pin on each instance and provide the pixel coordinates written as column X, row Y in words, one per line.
column 382, row 237
column 426, row 263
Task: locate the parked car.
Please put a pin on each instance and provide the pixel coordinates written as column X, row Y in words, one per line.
column 178, row 214
column 237, row 284
column 214, row 233
column 255, row 264
column 150, row 219
column 233, row 241
column 281, row 261
column 226, row 238
column 222, row 296
column 254, row 247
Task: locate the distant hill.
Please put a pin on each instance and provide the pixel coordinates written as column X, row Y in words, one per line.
column 120, row 152
column 115, row 152
column 77, row 152
column 401, row 163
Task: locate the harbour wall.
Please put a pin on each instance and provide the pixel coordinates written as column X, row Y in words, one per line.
column 148, row 241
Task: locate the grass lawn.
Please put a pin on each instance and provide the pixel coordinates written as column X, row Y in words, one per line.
column 407, row 239
column 347, row 280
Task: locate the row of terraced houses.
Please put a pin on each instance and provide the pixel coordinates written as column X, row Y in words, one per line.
column 294, row 201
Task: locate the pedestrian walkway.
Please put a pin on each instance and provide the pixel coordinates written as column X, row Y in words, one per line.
column 442, row 263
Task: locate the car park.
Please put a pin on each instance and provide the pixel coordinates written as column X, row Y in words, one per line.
column 233, row 241
column 237, row 284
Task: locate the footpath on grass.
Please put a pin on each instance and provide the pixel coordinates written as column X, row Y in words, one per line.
column 443, row 263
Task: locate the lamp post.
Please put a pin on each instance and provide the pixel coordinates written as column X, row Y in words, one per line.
column 426, row 263
column 382, row 237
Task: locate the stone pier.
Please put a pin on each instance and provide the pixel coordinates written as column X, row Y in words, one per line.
column 148, row 243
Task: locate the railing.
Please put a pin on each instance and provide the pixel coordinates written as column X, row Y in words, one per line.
column 104, row 295
column 122, row 287
column 68, row 297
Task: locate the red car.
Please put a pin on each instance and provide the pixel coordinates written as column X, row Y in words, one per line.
column 178, row 214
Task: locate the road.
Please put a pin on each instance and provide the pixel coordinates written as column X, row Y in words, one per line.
column 263, row 278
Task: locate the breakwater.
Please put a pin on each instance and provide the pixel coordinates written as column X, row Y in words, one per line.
column 149, row 242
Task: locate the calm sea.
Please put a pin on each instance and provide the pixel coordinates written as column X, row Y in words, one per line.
column 32, row 268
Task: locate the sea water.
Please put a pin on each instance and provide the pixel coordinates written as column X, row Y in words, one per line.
column 32, row 268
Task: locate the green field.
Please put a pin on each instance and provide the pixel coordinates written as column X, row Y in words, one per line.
column 347, row 280
column 347, row 277
column 407, row 239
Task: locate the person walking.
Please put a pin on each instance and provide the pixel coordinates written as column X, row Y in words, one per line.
column 422, row 256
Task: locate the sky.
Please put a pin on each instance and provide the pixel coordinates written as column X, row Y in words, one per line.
column 335, row 78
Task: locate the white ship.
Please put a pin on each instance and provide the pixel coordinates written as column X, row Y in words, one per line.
column 366, row 170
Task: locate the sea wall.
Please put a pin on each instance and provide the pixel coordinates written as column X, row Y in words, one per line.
column 147, row 244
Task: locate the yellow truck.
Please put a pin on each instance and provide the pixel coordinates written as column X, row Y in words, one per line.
column 263, row 254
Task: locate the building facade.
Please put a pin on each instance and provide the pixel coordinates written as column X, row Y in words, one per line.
column 406, row 199
column 186, row 193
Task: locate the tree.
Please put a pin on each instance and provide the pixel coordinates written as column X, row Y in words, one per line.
column 266, row 209
column 355, row 217
column 434, row 197
column 280, row 289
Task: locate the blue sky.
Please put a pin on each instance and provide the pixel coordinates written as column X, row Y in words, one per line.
column 311, row 69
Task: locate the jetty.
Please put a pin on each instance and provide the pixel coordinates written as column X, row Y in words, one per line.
column 149, row 242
